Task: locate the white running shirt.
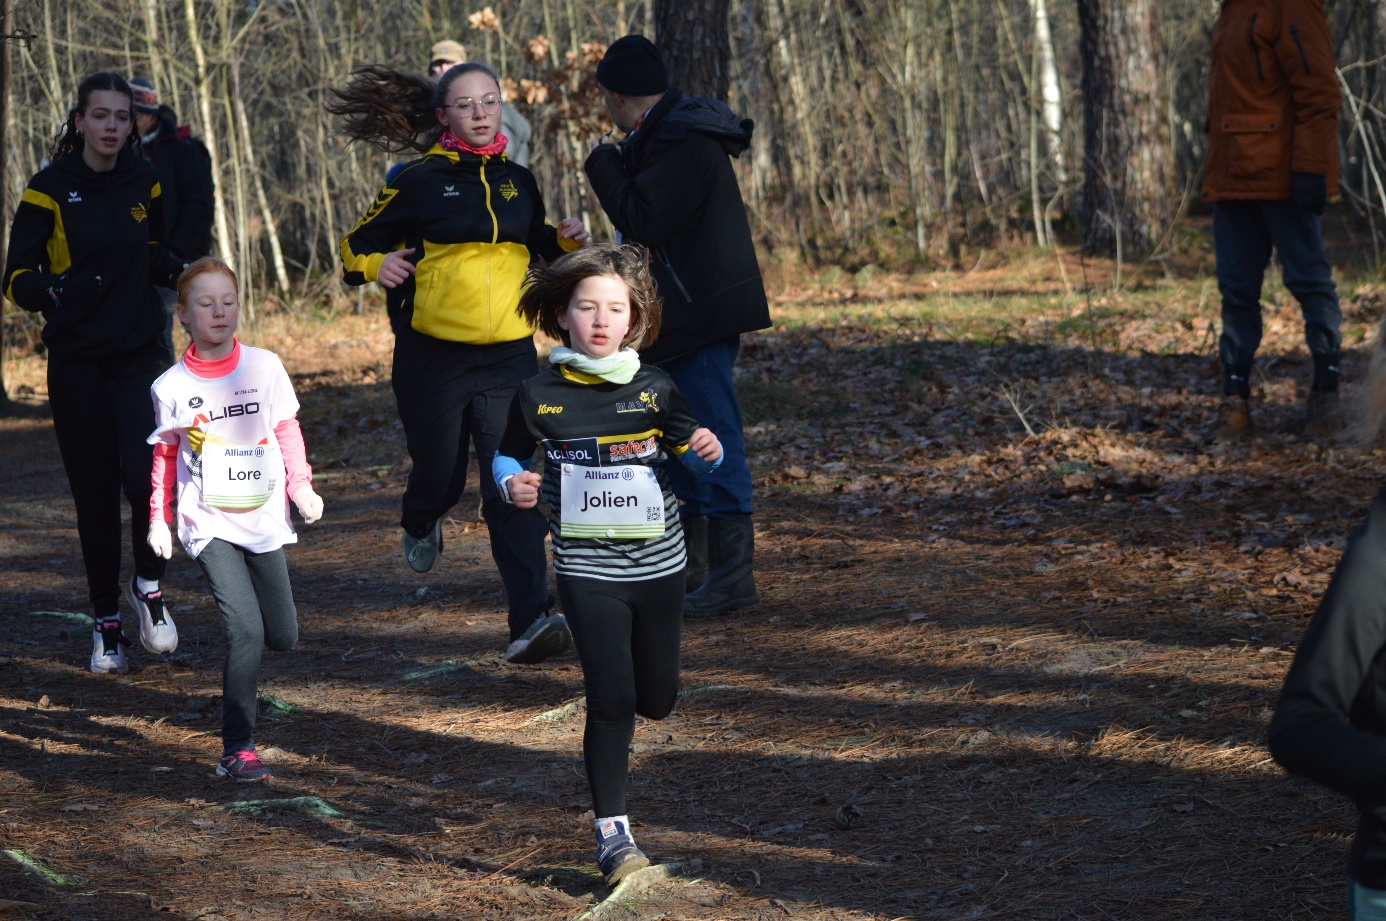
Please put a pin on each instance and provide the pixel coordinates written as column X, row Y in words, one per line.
column 240, row 409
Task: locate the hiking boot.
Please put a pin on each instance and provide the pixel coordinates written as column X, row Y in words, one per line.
column 244, row 766
column 618, row 857
column 1322, row 415
column 106, row 653
column 695, row 542
column 547, row 637
column 157, row 632
column 731, row 581
column 1234, row 419
column 422, row 552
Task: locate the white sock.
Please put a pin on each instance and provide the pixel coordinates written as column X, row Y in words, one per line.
column 612, row 826
column 146, row 586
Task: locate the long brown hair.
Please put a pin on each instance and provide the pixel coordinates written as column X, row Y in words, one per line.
column 68, row 139
column 397, row 111
column 549, row 288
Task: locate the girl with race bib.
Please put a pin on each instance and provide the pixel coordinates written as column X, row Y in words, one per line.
column 227, row 436
column 607, row 424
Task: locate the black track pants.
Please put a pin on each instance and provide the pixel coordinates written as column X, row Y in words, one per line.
column 627, row 637
column 449, row 394
column 102, row 414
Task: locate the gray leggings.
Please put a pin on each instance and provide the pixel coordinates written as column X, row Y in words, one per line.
column 257, row 606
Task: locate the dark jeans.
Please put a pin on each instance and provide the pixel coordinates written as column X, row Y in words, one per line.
column 102, row 414
column 704, row 378
column 450, row 393
column 1244, row 233
column 627, row 638
column 257, row 607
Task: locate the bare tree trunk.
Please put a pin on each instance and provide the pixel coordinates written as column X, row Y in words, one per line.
column 5, row 29
column 1126, row 200
column 692, row 37
column 204, row 108
column 248, row 151
column 1051, row 97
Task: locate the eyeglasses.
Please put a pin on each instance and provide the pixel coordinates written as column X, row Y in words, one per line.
column 467, row 105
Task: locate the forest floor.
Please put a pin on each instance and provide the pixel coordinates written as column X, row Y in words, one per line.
column 1022, row 632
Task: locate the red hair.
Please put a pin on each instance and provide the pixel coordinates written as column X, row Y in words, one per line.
column 204, row 266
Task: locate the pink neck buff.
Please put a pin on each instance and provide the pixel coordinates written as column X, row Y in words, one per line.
column 450, row 141
column 217, row 367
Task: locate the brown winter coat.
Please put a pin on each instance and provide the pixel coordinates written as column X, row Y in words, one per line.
column 1272, row 100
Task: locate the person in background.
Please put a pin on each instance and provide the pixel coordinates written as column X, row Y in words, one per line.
column 86, row 252
column 450, row 238
column 669, row 185
column 185, row 180
column 1272, row 164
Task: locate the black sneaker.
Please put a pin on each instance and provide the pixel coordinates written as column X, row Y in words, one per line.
column 422, row 552
column 547, row 637
column 618, row 857
column 244, row 766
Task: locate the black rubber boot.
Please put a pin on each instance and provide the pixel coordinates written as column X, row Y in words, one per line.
column 695, row 540
column 731, row 582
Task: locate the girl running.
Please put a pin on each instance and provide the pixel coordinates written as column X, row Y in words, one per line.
column 607, row 424
column 1330, row 724
column 85, row 252
column 227, row 433
column 449, row 238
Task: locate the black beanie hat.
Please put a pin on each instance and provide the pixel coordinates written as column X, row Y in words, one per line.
column 632, row 66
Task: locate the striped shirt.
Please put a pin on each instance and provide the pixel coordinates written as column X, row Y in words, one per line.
column 586, row 421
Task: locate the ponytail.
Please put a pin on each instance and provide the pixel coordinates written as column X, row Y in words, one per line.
column 396, row 111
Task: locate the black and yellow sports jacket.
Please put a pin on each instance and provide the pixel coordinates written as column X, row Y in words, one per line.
column 77, row 222
column 475, row 223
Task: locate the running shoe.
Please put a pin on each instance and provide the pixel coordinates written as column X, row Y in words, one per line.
column 547, row 637
column 157, row 632
column 422, row 552
column 618, row 857
column 106, row 653
column 244, row 766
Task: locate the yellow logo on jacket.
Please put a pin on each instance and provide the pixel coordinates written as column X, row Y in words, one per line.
column 508, row 190
column 139, row 213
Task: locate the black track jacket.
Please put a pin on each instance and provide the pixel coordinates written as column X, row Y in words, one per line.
column 1330, row 725
column 75, row 221
column 670, row 186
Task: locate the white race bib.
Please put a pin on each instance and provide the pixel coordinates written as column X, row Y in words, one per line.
column 239, row 477
column 622, row 503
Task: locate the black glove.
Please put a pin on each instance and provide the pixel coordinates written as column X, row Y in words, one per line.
column 76, row 290
column 1309, row 191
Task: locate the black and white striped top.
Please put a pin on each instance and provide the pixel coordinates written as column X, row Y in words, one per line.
column 579, row 419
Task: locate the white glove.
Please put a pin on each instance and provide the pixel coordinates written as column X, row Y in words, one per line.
column 309, row 503
column 160, row 540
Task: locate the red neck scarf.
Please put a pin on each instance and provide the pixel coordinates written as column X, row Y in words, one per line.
column 450, row 141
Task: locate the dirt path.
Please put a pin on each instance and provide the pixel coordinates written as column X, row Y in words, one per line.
column 995, row 676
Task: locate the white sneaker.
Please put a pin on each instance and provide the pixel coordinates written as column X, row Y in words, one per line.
column 106, row 653
column 157, row 632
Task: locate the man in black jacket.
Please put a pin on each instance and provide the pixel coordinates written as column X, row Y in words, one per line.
column 669, row 185
column 185, row 178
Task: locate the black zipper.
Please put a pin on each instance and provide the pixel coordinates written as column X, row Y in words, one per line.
column 663, row 258
column 1304, row 58
column 1255, row 51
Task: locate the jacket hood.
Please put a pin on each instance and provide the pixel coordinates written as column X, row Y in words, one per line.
column 711, row 117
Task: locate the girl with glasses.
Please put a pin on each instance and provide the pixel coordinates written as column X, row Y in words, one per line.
column 450, row 238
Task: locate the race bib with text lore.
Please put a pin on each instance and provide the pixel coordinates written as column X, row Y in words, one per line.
column 621, row 503
column 239, row 477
